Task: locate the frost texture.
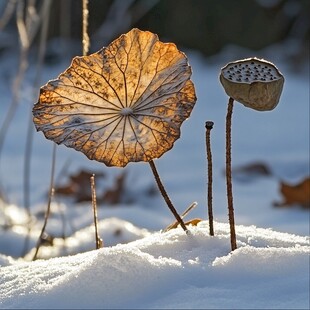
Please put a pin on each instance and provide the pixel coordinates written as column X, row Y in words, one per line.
column 123, row 104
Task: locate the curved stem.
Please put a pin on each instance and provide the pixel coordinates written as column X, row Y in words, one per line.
column 165, row 195
column 50, row 195
column 228, row 175
column 209, row 126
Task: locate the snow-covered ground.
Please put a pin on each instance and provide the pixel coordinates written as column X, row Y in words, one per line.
column 139, row 267
column 269, row 270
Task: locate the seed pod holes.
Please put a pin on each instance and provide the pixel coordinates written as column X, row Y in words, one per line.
column 254, row 82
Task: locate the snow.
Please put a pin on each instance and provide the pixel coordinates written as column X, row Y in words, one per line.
column 140, row 266
column 169, row 270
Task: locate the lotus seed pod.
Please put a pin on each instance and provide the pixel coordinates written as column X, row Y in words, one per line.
column 254, row 82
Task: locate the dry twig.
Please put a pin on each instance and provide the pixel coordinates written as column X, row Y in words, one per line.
column 99, row 242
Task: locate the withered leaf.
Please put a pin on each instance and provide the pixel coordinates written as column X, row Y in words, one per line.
column 78, row 185
column 192, row 222
column 114, row 195
column 297, row 194
column 123, row 104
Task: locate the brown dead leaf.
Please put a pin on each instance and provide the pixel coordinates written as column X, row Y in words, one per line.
column 192, row 222
column 123, row 104
column 251, row 171
column 78, row 186
column 83, row 176
column 298, row 194
column 114, row 195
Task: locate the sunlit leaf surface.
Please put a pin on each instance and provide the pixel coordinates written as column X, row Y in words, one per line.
column 123, row 104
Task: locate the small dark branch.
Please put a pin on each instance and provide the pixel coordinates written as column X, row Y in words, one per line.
column 209, row 126
column 47, row 213
column 228, row 175
column 165, row 196
column 99, row 242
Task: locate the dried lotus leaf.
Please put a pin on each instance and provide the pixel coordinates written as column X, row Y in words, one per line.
column 123, row 104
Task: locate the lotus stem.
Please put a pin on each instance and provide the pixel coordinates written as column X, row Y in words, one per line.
column 165, row 196
column 233, row 241
column 209, row 126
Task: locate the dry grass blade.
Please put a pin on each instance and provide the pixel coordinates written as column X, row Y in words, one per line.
column 176, row 223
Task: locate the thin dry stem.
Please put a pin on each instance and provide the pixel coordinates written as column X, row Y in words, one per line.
column 21, row 25
column 7, row 13
column 27, row 28
column 228, row 175
column 209, row 126
column 85, row 39
column 48, row 210
column 23, row 64
column 165, row 196
column 29, row 135
column 99, row 242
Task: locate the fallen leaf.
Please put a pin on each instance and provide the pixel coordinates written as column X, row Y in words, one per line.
column 114, row 195
column 298, row 194
column 78, row 186
column 251, row 171
column 192, row 222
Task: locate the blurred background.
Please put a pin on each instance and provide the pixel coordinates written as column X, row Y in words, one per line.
column 208, row 26
column 37, row 42
column 47, row 34
column 39, row 38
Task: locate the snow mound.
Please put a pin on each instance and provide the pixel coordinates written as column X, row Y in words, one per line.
column 169, row 270
column 112, row 230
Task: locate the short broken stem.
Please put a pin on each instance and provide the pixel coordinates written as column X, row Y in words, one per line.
column 174, row 224
column 209, row 126
column 99, row 242
column 228, row 175
column 165, row 196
